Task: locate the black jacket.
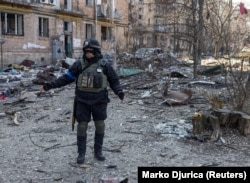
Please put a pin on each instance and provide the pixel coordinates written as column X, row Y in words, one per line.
column 89, row 97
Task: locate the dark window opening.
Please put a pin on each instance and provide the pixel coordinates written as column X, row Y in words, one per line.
column 43, row 27
column 89, row 31
column 106, row 33
column 66, row 26
column 12, row 24
column 89, row 2
column 65, row 4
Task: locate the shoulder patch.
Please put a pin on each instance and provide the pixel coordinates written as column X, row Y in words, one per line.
column 103, row 63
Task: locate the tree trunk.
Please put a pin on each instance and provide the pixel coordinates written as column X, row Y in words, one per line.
column 246, row 105
column 244, row 125
column 217, row 118
column 197, row 33
column 214, row 121
column 198, row 125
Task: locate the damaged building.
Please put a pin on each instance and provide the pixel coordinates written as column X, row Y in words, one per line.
column 49, row 30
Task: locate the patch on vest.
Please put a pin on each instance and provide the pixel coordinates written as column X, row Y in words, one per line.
column 90, row 80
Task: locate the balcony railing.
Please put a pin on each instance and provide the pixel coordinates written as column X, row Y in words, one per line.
column 163, row 28
column 103, row 11
column 159, row 28
column 22, row 1
column 49, row 2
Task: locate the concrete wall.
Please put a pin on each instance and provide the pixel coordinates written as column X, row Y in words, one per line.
column 39, row 49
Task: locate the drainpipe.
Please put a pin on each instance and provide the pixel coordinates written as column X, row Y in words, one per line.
column 95, row 33
column 114, row 34
column 2, row 41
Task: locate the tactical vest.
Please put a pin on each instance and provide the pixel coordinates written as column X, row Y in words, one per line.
column 92, row 79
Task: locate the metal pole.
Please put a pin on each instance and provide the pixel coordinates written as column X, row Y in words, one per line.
column 2, row 56
column 2, row 41
column 114, row 33
column 95, row 36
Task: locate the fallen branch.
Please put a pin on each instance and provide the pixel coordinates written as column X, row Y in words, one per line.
column 133, row 132
column 58, row 146
column 42, row 117
column 52, row 147
column 114, row 150
column 135, row 120
column 16, row 102
column 35, row 143
column 13, row 112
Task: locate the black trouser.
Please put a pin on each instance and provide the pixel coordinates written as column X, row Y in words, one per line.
column 83, row 115
column 84, row 112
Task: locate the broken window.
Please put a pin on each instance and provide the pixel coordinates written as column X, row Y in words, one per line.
column 43, row 27
column 106, row 33
column 12, row 24
column 67, row 27
column 65, row 4
column 149, row 7
column 89, row 30
column 141, row 40
column 140, row 1
column 89, row 2
column 149, row 39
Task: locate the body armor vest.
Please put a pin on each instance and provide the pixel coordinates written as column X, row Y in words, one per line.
column 92, row 79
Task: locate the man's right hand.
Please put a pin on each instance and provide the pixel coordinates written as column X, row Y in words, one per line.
column 46, row 87
column 42, row 90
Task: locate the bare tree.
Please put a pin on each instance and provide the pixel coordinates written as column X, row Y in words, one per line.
column 197, row 12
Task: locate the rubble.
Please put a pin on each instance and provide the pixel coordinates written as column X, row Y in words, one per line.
column 37, row 143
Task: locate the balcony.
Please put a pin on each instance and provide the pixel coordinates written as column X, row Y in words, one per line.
column 159, row 28
column 104, row 12
column 163, row 28
column 29, row 2
column 18, row 3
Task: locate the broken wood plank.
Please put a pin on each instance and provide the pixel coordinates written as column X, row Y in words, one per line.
column 214, row 121
column 14, row 111
column 244, row 125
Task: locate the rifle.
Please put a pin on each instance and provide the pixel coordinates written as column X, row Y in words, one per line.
column 73, row 120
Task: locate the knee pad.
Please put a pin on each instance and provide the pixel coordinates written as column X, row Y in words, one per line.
column 82, row 128
column 100, row 127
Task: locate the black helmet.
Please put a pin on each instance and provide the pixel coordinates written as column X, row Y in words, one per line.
column 92, row 43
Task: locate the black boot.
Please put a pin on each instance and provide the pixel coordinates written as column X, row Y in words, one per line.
column 81, row 144
column 98, row 147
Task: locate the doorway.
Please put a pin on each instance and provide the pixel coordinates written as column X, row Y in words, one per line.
column 68, row 39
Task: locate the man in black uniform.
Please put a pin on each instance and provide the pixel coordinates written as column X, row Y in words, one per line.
column 92, row 76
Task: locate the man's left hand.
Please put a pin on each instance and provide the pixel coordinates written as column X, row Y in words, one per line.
column 121, row 95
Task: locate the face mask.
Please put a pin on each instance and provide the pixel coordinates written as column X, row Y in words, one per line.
column 89, row 51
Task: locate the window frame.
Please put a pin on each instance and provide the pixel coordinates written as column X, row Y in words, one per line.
column 106, row 33
column 17, row 26
column 89, row 3
column 41, row 32
column 89, row 31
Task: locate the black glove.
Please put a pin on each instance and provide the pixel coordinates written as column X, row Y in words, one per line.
column 121, row 95
column 47, row 86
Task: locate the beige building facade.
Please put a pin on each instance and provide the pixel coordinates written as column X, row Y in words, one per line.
column 49, row 30
column 148, row 25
